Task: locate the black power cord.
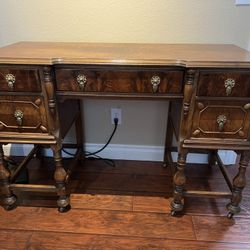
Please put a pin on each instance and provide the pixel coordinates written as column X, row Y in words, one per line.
column 109, row 140
column 10, row 160
column 94, row 154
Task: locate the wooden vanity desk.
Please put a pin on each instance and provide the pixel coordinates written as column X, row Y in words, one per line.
column 208, row 87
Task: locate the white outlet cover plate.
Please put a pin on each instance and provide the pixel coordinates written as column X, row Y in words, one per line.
column 116, row 113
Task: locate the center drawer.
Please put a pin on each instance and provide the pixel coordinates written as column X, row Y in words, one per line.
column 22, row 114
column 160, row 81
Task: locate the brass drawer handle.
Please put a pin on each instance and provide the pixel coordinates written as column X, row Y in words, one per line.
column 19, row 117
column 155, row 81
column 10, row 79
column 229, row 84
column 221, row 120
column 81, row 80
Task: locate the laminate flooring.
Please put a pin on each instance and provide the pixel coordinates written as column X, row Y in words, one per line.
column 125, row 207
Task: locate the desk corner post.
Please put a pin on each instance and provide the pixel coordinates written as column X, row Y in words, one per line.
column 60, row 179
column 60, row 174
column 179, row 180
column 9, row 199
column 239, row 182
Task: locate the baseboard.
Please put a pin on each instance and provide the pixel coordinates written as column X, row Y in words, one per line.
column 125, row 152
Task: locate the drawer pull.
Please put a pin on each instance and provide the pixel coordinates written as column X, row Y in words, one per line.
column 19, row 117
column 229, row 84
column 81, row 80
column 221, row 120
column 10, row 79
column 155, row 81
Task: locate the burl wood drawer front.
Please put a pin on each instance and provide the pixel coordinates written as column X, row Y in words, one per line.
column 221, row 120
column 19, row 79
column 159, row 81
column 224, row 83
column 22, row 114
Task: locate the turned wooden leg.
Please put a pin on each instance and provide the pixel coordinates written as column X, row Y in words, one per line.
column 60, row 178
column 239, row 183
column 9, row 199
column 179, row 181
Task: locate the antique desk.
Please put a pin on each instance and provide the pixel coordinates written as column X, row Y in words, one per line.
column 208, row 87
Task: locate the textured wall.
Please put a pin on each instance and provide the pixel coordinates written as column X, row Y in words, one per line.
column 153, row 21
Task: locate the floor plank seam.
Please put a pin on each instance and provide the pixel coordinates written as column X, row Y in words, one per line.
column 124, row 236
column 151, row 212
column 123, row 211
column 102, row 234
column 129, row 174
column 133, row 200
column 28, row 240
column 236, row 216
column 193, row 227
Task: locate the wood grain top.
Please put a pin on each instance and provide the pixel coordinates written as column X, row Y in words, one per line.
column 187, row 55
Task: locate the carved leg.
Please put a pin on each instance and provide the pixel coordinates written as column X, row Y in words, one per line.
column 60, row 178
column 239, row 183
column 9, row 199
column 179, row 180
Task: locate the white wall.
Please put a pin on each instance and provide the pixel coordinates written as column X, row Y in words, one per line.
column 148, row 21
column 198, row 21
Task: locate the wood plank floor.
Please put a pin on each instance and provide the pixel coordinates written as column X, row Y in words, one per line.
column 125, row 207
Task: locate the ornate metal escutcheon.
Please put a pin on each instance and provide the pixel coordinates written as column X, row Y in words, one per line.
column 10, row 79
column 155, row 81
column 221, row 120
column 229, row 84
column 81, row 80
column 19, row 117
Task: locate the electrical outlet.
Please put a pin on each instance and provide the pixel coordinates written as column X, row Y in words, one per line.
column 116, row 113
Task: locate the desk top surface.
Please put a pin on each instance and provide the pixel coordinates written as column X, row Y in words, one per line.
column 186, row 55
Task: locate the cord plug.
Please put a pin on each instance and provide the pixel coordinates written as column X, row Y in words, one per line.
column 116, row 120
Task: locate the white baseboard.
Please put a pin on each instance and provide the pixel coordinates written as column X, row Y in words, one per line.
column 242, row 2
column 125, row 152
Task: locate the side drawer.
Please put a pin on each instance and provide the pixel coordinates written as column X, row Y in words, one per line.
column 19, row 79
column 224, row 83
column 214, row 119
column 120, row 81
column 22, row 114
